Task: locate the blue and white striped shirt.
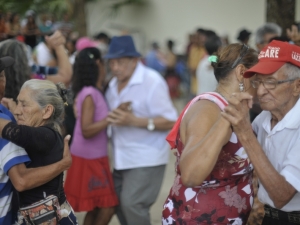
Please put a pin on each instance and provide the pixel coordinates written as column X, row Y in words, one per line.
column 10, row 155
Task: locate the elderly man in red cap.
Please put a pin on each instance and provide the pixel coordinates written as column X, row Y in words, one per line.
column 273, row 147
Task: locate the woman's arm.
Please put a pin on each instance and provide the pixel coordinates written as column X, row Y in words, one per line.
column 64, row 75
column 88, row 126
column 203, row 132
column 27, row 178
column 32, row 139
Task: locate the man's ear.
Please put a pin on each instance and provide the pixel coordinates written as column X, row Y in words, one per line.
column 48, row 111
column 297, row 88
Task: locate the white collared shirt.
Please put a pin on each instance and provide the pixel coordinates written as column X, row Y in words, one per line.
column 135, row 147
column 282, row 147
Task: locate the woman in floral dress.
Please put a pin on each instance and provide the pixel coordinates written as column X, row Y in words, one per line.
column 213, row 183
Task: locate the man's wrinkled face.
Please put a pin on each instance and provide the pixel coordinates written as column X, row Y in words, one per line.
column 278, row 98
column 122, row 68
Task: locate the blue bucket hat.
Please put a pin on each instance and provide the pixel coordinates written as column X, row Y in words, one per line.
column 121, row 46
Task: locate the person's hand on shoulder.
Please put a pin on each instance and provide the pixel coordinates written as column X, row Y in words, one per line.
column 9, row 103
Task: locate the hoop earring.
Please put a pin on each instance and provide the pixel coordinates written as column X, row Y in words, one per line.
column 241, row 87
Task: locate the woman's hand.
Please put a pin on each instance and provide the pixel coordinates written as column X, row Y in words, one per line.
column 237, row 112
column 9, row 103
column 56, row 39
column 67, row 158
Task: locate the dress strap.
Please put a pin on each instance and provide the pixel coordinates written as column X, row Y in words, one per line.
column 211, row 96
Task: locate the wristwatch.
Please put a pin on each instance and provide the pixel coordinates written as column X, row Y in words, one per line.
column 150, row 125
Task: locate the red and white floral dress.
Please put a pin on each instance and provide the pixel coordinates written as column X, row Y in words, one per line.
column 224, row 197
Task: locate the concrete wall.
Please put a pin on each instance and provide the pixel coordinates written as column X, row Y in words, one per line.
column 160, row 20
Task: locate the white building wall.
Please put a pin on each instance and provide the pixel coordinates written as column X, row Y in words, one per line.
column 160, row 20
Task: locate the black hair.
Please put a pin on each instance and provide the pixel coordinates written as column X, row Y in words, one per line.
column 201, row 31
column 170, row 44
column 210, row 33
column 212, row 44
column 85, row 69
column 101, row 36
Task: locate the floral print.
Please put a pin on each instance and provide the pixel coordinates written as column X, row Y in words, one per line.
column 224, row 197
column 176, row 186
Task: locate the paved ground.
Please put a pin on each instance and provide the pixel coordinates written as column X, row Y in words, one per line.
column 156, row 209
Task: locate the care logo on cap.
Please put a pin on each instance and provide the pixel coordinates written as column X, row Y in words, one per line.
column 296, row 56
column 271, row 52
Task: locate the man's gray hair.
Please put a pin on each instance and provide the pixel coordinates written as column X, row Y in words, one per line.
column 268, row 28
column 291, row 71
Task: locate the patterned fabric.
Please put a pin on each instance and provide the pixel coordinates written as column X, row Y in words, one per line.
column 44, row 210
column 65, row 215
column 225, row 196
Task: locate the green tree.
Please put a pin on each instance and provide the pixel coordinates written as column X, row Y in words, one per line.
column 74, row 8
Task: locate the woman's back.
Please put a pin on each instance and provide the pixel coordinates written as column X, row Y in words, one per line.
column 96, row 147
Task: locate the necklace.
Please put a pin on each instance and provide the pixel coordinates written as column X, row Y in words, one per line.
column 218, row 91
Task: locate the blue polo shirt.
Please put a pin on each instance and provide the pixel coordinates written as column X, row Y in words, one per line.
column 10, row 155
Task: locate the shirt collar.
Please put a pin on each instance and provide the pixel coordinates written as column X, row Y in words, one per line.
column 290, row 121
column 136, row 78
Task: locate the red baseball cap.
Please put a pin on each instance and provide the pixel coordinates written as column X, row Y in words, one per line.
column 273, row 57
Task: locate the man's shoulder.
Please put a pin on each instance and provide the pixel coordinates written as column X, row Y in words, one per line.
column 151, row 74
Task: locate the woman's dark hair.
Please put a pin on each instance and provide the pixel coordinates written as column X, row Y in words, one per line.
column 228, row 56
column 86, row 70
column 170, row 45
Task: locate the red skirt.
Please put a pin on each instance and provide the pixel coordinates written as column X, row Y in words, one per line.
column 89, row 184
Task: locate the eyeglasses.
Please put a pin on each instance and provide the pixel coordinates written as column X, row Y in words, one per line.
column 269, row 83
column 242, row 54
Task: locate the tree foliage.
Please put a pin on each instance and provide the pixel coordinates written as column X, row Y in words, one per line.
column 74, row 8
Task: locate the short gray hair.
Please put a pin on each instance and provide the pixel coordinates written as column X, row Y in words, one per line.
column 268, row 28
column 291, row 71
column 46, row 92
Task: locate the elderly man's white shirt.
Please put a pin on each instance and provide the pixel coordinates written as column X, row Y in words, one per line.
column 282, row 147
column 137, row 147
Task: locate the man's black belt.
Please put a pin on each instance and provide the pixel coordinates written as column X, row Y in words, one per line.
column 292, row 217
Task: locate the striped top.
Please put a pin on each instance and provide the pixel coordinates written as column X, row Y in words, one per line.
column 10, row 155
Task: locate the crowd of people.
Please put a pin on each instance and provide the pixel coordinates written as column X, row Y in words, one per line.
column 101, row 90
